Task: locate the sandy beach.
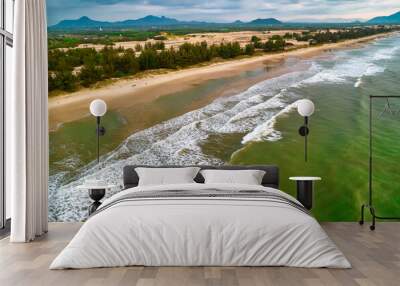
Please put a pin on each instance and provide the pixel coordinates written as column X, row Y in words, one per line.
column 149, row 87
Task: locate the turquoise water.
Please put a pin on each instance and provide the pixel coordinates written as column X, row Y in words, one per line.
column 260, row 126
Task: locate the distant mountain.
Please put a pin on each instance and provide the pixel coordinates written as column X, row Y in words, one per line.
column 238, row 22
column 151, row 21
column 262, row 22
column 87, row 23
column 392, row 19
column 326, row 20
column 82, row 22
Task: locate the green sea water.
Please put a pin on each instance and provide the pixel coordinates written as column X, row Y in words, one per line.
column 338, row 141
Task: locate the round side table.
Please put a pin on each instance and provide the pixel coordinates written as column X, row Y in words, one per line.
column 305, row 190
column 96, row 193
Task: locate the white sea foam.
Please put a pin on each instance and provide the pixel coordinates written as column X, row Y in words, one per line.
column 358, row 83
column 349, row 66
column 266, row 130
column 344, row 72
column 385, row 54
column 370, row 70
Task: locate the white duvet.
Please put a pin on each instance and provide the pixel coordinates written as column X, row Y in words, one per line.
column 202, row 232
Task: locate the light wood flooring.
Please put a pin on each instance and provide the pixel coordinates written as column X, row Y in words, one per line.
column 375, row 257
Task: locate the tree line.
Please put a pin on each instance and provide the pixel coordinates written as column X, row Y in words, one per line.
column 327, row 36
column 70, row 69
column 274, row 44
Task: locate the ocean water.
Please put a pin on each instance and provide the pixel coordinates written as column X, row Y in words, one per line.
column 261, row 126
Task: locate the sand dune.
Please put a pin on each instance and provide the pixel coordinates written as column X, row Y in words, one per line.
column 242, row 37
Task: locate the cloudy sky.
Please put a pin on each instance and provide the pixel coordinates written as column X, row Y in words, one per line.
column 221, row 10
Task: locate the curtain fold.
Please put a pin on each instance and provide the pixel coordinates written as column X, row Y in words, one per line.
column 27, row 124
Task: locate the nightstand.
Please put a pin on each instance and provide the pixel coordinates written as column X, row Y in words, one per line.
column 305, row 190
column 96, row 193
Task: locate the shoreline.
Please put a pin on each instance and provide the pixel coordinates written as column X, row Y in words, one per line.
column 74, row 106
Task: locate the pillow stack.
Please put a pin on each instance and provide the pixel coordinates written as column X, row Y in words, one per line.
column 186, row 175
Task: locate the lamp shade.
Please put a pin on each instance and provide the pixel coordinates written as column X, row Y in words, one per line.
column 98, row 107
column 305, row 107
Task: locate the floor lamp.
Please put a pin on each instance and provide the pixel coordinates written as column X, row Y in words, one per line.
column 97, row 108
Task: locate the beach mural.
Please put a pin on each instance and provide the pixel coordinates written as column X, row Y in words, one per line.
column 223, row 94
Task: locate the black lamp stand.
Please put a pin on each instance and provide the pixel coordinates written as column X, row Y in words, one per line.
column 100, row 131
column 304, row 131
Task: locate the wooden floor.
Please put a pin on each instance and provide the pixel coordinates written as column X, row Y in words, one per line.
column 375, row 257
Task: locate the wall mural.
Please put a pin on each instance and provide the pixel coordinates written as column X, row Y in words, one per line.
column 218, row 92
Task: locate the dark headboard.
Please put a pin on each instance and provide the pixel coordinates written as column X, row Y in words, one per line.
column 270, row 179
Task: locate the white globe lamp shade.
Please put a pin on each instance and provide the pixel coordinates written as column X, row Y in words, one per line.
column 98, row 107
column 305, row 107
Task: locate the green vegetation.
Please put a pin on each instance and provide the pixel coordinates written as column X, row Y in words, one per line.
column 322, row 37
column 70, row 69
column 275, row 44
column 64, row 42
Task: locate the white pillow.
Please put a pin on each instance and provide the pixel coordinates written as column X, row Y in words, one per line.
column 166, row 176
column 247, row 177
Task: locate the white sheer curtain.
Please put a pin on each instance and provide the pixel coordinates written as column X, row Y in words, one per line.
column 27, row 124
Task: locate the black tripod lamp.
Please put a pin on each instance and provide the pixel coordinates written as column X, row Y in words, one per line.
column 305, row 108
column 98, row 108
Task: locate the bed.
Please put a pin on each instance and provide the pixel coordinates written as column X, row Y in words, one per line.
column 198, row 224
